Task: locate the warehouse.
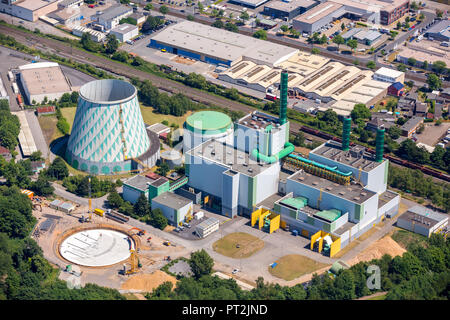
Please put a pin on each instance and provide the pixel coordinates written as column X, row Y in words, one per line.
column 43, row 79
column 96, row 36
column 29, row 10
column 423, row 221
column 26, row 139
column 174, row 207
column 440, row 31
column 67, row 16
column 319, row 16
column 125, row 32
column 216, row 46
column 249, row 3
column 289, row 10
column 70, row 4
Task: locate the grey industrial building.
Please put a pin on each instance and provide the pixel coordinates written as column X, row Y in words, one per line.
column 134, row 187
column 282, row 9
column 423, row 221
column 317, row 17
column 174, row 207
column 111, row 17
column 440, row 31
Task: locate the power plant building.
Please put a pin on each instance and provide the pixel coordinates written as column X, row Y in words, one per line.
column 338, row 193
column 108, row 134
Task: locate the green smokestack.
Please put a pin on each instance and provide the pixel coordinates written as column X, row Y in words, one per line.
column 346, row 134
column 379, row 145
column 283, row 97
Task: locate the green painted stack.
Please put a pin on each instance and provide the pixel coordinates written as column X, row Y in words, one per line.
column 379, row 145
column 346, row 134
column 283, row 97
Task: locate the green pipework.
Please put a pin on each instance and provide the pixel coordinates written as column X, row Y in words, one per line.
column 283, row 97
column 346, row 134
column 379, row 145
column 288, row 148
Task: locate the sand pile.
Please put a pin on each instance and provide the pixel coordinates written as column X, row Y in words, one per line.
column 377, row 249
column 147, row 282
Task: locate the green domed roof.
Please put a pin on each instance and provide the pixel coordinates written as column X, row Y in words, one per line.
column 208, row 122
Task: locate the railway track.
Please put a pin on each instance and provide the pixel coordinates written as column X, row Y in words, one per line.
column 167, row 85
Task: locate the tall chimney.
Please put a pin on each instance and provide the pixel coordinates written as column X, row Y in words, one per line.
column 379, row 145
column 283, row 97
column 346, row 133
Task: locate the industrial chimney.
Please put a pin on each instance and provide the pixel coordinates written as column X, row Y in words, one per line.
column 283, row 97
column 379, row 145
column 346, row 133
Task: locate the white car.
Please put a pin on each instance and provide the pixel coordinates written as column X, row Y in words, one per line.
column 235, row 271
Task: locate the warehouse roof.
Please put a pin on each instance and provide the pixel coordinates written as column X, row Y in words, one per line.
column 44, row 78
column 251, row 3
column 115, row 11
column 223, row 44
column 124, row 28
column 172, row 200
column 354, row 193
column 318, row 12
column 442, row 27
column 387, row 72
column 290, row 6
column 33, row 4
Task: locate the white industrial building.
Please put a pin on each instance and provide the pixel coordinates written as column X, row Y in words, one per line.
column 389, row 75
column 174, row 207
column 111, row 17
column 217, row 46
column 29, row 10
column 134, row 187
column 205, row 228
column 125, row 32
column 423, row 221
column 96, row 36
column 43, row 79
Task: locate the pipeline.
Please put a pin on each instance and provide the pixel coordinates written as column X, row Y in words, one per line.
column 322, row 166
column 288, row 148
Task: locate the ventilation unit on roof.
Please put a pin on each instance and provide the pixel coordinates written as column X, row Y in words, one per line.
column 329, row 188
column 356, row 198
column 250, row 170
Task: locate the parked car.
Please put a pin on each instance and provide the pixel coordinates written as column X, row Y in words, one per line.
column 235, row 271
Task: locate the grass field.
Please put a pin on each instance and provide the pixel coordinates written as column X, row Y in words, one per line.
column 293, row 266
column 150, row 117
column 69, row 114
column 248, row 245
column 382, row 297
column 404, row 238
column 48, row 126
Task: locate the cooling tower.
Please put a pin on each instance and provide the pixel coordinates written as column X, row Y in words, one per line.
column 108, row 134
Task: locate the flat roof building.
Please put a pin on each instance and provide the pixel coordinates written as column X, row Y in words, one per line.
column 70, row 3
column 43, row 79
column 389, row 75
column 111, row 17
column 96, row 36
column 125, row 32
column 423, row 221
column 440, row 31
column 314, row 19
column 134, row 187
column 174, row 207
column 217, row 46
column 291, row 9
column 29, row 10
column 249, row 3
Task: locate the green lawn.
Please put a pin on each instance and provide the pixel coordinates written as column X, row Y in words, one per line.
column 151, row 117
column 404, row 238
column 293, row 266
column 69, row 114
column 248, row 245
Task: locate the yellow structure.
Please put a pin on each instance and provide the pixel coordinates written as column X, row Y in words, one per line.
column 134, row 261
column 283, row 224
column 266, row 218
column 319, row 235
column 99, row 212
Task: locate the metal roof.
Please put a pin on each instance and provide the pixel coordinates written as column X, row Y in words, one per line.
column 208, row 223
column 113, row 12
column 138, row 182
column 172, row 200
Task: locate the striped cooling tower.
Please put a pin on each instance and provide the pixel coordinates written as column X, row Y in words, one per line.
column 108, row 130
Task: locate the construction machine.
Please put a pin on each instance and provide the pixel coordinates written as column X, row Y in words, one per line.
column 134, row 262
column 140, row 231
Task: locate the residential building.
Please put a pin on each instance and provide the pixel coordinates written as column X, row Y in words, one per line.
column 421, row 109
column 396, row 89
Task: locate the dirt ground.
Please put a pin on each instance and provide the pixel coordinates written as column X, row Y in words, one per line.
column 147, row 282
column 377, row 249
column 179, row 59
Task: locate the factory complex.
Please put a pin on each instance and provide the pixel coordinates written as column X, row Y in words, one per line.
column 257, row 65
column 249, row 168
